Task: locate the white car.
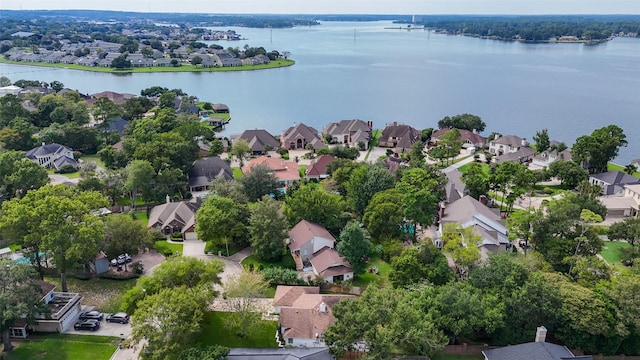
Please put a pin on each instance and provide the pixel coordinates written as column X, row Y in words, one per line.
column 121, row 259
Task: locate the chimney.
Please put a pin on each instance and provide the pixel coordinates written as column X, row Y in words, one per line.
column 441, row 212
column 43, row 143
column 496, row 136
column 524, row 142
column 168, row 199
column 395, row 123
column 541, row 334
column 323, row 308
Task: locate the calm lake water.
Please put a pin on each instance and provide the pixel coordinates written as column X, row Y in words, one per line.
column 348, row 70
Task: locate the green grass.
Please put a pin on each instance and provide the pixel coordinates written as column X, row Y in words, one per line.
column 380, row 279
column 183, row 68
column 95, row 158
column 612, row 251
column 464, row 167
column 163, row 246
column 615, row 167
column 457, row 357
column 540, row 190
column 64, row 347
column 104, row 294
column 73, row 175
column 302, row 168
column 375, row 137
column 215, row 333
column 141, row 217
column 286, row 262
column 15, row 247
column 237, row 173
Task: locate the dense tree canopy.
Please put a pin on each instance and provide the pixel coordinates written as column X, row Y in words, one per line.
column 596, row 150
column 268, row 229
column 463, row 121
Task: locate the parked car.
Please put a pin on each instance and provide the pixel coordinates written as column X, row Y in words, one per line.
column 119, row 317
column 92, row 325
column 121, row 259
column 91, row 315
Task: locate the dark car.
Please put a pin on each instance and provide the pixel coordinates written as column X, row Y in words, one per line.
column 120, row 317
column 91, row 315
column 92, row 325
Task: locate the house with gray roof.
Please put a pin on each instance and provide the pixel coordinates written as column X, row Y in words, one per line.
column 400, row 137
column 537, row 350
column 511, row 148
column 260, row 141
column 455, row 188
column 299, row 136
column 52, row 156
column 288, row 353
column 349, row 132
column 545, row 158
column 205, row 170
column 613, row 182
column 177, row 216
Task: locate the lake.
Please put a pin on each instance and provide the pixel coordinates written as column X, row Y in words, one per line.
column 348, row 70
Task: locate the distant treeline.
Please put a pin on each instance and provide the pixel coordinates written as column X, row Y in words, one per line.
column 535, row 28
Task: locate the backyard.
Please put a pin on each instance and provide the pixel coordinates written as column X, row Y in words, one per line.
column 64, row 347
column 104, row 294
column 379, row 279
column 214, row 333
column 612, row 251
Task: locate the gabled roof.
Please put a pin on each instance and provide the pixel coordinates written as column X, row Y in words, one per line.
column 511, row 140
column 327, row 262
column 405, row 134
column 318, row 353
column 181, row 211
column 205, row 170
column 46, row 149
column 318, row 166
column 65, row 160
column 306, row 230
column 616, row 178
column 465, row 135
column 287, row 295
column 258, row 139
column 347, row 127
column 117, row 98
column 564, row 155
column 456, row 188
column 521, row 153
column 531, row 351
column 463, row 210
column 282, row 169
column 309, row 134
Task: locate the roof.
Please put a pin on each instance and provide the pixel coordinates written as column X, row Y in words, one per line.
column 405, row 135
column 46, row 149
column 320, row 353
column 318, row 166
column 46, row 287
column 327, row 262
column 65, row 160
column 309, row 134
column 455, row 186
column 465, row 209
column 531, row 351
column 205, row 170
column 306, row 230
column 181, row 211
column 618, row 202
column 564, row 155
column 522, row 152
column 287, row 295
column 465, row 135
column 282, row 169
column 347, row 127
column 258, row 139
column 511, row 140
column 616, row 178
column 117, row 98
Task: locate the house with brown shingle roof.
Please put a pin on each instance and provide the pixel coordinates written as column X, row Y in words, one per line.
column 179, row 216
column 317, row 169
column 468, row 138
column 400, row 137
column 286, row 172
column 305, row 314
column 328, row 264
column 349, row 132
column 260, row 141
column 299, row 136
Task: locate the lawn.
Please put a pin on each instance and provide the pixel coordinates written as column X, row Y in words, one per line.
column 64, row 347
column 73, row 175
column 616, row 167
column 104, row 294
column 379, row 279
column 237, row 173
column 464, row 167
column 214, row 333
column 286, row 262
column 375, row 137
column 612, row 251
column 141, row 217
column 95, row 158
column 163, row 247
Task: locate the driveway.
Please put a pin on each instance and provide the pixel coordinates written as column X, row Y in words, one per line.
column 106, row 329
column 149, row 259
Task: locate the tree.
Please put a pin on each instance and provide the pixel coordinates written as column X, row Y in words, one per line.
column 419, row 264
column 365, row 182
column 216, row 148
column 542, row 140
column 211, row 352
column 167, row 323
column 139, row 174
column 20, row 297
column 242, row 292
column 57, row 219
column 103, row 110
column 462, row 245
column 596, row 150
column 416, row 154
column 314, row 204
column 354, row 246
column 463, row 121
column 476, row 179
column 267, row 227
column 383, row 321
column 124, row 235
column 258, row 182
column 630, row 169
column 627, row 230
column 511, row 179
column 19, row 175
column 121, row 62
column 384, row 215
column 421, row 193
column 233, row 189
column 569, row 173
column 5, row 81
column 221, row 220
column 240, row 149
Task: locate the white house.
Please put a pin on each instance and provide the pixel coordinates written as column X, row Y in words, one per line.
column 10, row 90
column 52, row 156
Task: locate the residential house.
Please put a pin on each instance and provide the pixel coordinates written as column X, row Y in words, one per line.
column 317, row 169
column 467, row 212
column 285, row 353
column 393, row 162
column 313, row 249
column 455, row 188
column 545, row 158
column 349, row 132
column 10, row 90
column 260, row 141
column 537, row 350
column 469, row 139
column 179, row 216
column 205, row 170
column 511, row 148
column 400, row 137
column 117, row 98
column 220, row 108
column 52, row 156
column 305, row 314
column 299, row 136
column 286, row 172
column 64, row 308
column 612, row 182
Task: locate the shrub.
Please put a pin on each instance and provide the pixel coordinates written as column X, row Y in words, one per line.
column 288, row 262
column 66, row 169
column 137, row 268
column 391, row 249
column 167, row 253
column 281, row 276
column 176, row 236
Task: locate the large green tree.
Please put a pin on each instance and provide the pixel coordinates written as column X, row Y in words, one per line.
column 476, row 179
column 242, row 292
column 384, row 215
column 221, row 221
column 139, row 175
column 463, row 121
column 596, row 150
column 354, row 246
column 365, row 182
column 314, row 204
column 268, row 229
column 19, row 175
column 258, row 182
column 124, row 235
column 569, row 173
column 542, row 140
column 425, row 263
column 421, row 193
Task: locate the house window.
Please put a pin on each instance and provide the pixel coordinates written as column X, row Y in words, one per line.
column 290, row 340
column 17, row 332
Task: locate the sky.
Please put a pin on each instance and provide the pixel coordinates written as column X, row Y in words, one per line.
column 410, row 7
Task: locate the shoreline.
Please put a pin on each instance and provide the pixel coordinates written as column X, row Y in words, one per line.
column 276, row 64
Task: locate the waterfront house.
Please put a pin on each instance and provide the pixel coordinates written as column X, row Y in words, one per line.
column 260, row 141
column 400, row 137
column 612, row 182
column 545, row 158
column 469, row 138
column 286, row 172
column 511, row 148
column 317, row 169
column 349, row 132
column 300, row 137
